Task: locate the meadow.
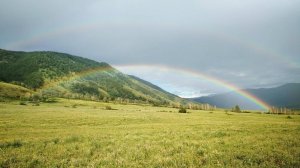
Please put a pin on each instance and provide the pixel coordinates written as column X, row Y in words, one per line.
column 77, row 133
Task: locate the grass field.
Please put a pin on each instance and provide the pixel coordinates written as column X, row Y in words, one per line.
column 73, row 133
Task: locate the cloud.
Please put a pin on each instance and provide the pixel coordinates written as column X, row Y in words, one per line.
column 250, row 43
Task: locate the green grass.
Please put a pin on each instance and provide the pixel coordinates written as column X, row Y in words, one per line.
column 73, row 133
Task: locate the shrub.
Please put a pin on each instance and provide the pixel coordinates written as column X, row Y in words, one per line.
column 289, row 117
column 108, row 108
column 236, row 109
column 36, row 97
column 182, row 110
column 23, row 103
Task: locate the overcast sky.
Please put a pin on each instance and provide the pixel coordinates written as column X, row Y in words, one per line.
column 249, row 43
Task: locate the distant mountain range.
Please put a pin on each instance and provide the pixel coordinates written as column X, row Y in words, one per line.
column 287, row 95
column 64, row 75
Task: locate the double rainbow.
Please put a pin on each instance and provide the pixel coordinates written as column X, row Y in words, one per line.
column 269, row 54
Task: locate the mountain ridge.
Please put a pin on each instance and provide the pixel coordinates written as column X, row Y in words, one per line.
column 286, row 95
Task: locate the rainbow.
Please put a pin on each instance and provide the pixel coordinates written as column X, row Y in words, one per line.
column 208, row 78
column 74, row 76
column 178, row 70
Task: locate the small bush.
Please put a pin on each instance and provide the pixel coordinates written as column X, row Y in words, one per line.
column 236, row 109
column 74, row 105
column 23, row 103
column 182, row 110
column 289, row 117
column 108, row 108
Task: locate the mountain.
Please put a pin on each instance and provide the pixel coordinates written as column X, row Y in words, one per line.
column 287, row 95
column 65, row 75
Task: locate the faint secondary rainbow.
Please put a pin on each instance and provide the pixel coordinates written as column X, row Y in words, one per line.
column 208, row 78
column 271, row 54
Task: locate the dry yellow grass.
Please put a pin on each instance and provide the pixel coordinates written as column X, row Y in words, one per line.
column 74, row 133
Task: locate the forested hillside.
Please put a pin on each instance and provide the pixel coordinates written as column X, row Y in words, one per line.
column 64, row 75
column 32, row 69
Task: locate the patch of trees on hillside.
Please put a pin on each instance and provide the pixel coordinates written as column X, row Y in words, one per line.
column 31, row 69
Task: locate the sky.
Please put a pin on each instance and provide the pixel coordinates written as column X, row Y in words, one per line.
column 249, row 43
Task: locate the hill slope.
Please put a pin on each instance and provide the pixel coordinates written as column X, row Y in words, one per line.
column 12, row 91
column 287, row 95
column 64, row 75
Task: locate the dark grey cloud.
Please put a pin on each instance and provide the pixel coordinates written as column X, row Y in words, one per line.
column 250, row 43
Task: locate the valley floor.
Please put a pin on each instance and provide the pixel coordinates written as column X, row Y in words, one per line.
column 73, row 133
